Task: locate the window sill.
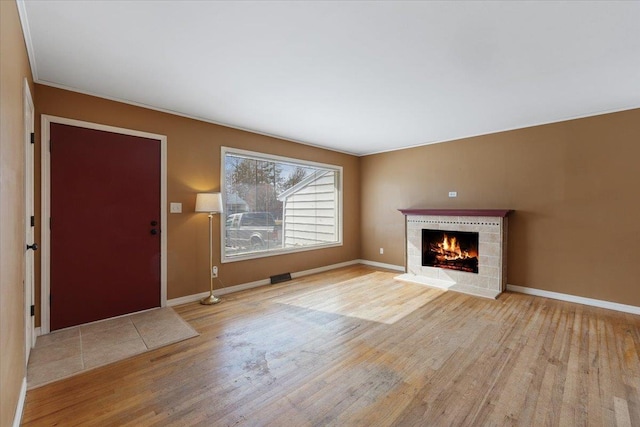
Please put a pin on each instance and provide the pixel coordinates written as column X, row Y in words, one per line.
column 270, row 253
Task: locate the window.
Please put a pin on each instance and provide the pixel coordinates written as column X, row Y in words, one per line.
column 275, row 205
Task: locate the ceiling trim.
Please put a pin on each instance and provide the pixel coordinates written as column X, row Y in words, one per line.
column 483, row 66
column 188, row 116
column 422, row 144
column 34, row 70
column 565, row 119
column 26, row 32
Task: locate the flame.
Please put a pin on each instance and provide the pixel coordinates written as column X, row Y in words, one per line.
column 449, row 250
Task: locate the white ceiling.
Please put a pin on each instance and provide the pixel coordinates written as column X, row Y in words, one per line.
column 358, row 77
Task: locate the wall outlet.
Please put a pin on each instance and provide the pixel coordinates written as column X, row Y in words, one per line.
column 214, row 271
column 381, row 251
column 453, row 194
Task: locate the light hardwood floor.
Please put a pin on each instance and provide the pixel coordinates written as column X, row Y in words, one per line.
column 354, row 347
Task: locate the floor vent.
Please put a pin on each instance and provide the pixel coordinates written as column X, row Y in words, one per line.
column 280, row 278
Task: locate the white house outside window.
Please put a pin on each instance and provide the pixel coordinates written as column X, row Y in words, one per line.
column 275, row 205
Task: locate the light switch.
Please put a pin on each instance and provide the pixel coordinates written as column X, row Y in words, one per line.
column 175, row 208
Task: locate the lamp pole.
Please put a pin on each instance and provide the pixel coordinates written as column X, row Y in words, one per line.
column 212, row 204
column 211, row 299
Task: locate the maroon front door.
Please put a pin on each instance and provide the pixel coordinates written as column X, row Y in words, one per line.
column 105, row 225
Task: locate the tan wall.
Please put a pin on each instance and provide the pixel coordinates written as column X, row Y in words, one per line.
column 194, row 165
column 14, row 68
column 573, row 186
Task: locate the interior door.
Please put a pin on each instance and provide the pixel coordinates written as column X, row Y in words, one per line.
column 105, row 232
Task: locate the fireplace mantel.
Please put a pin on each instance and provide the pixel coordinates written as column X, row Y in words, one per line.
column 501, row 213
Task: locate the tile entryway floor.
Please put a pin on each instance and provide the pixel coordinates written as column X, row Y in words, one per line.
column 73, row 350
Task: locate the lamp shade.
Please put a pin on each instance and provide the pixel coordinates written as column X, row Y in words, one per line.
column 209, row 202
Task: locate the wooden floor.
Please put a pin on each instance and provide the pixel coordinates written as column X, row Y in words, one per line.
column 353, row 347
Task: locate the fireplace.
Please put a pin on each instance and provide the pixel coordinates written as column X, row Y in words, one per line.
column 454, row 250
column 478, row 267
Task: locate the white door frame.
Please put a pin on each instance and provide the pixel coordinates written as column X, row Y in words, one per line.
column 29, row 231
column 45, row 285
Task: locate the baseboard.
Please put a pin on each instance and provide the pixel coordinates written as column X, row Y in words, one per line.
column 37, row 331
column 514, row 288
column 217, row 292
column 17, row 419
column 382, row 265
column 573, row 298
column 325, row 268
column 244, row 286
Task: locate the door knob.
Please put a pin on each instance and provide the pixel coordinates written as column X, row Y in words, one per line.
column 33, row 247
column 154, row 231
column 154, row 223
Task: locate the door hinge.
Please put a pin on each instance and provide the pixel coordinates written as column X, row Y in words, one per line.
column 33, row 310
column 50, row 223
column 50, row 144
column 33, row 220
column 33, row 138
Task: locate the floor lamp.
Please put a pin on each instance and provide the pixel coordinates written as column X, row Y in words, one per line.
column 210, row 203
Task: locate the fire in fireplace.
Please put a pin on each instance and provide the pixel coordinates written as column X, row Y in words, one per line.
column 455, row 250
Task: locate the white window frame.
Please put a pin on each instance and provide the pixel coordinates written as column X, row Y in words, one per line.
column 290, row 160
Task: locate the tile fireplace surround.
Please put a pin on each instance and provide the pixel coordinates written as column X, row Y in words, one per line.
column 491, row 224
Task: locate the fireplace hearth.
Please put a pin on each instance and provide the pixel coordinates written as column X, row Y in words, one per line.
column 454, row 250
